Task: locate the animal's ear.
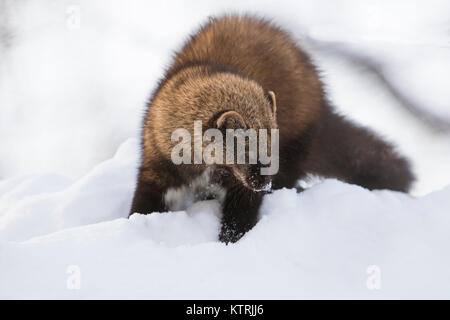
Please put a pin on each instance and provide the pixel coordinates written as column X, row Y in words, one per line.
column 272, row 100
column 230, row 120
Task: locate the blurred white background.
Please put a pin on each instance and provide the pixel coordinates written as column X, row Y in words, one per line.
column 75, row 75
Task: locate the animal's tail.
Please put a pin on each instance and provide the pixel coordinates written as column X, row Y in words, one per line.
column 353, row 154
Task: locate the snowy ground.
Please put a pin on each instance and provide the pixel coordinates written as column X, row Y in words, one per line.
column 319, row 243
column 71, row 99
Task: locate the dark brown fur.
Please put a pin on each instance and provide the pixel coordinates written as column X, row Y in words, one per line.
column 231, row 64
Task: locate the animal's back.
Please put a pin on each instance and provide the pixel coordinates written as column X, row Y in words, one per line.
column 262, row 51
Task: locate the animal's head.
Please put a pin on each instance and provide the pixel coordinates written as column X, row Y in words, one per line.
column 250, row 123
column 234, row 123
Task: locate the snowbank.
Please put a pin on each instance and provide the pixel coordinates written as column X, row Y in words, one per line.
column 319, row 243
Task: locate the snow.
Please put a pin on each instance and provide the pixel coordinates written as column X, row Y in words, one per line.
column 314, row 244
column 71, row 101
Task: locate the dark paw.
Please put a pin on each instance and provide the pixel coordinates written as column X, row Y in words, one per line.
column 230, row 234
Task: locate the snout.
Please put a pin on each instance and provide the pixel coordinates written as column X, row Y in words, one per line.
column 260, row 183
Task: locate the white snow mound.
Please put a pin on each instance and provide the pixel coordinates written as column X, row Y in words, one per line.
column 321, row 243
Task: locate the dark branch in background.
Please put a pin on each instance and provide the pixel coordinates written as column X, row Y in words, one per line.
column 433, row 122
column 6, row 34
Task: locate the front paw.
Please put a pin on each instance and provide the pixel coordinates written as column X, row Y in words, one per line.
column 229, row 233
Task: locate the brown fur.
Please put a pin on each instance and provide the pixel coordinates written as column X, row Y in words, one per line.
column 233, row 64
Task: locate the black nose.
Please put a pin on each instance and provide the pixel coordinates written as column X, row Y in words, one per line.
column 259, row 182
